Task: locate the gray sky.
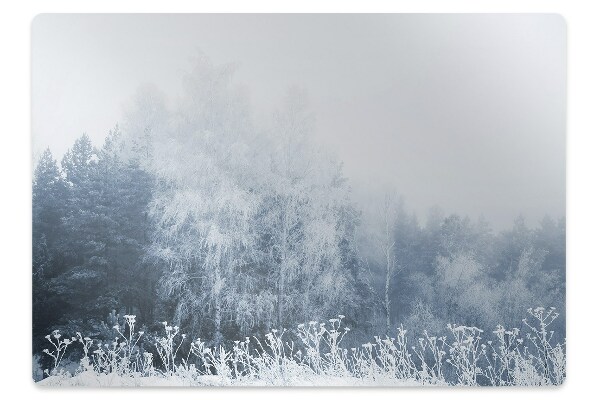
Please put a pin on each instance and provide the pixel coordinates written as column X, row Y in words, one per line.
column 462, row 111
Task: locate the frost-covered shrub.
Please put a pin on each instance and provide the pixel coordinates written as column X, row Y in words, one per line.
column 57, row 351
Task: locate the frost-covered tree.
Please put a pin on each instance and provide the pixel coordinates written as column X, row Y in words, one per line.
column 104, row 232
column 381, row 229
column 78, row 162
column 204, row 202
column 463, row 290
column 48, row 210
column 79, row 166
column 48, row 196
column 254, row 225
column 124, row 191
column 146, row 122
column 306, row 217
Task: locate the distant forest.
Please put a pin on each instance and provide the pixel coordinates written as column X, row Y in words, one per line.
column 199, row 215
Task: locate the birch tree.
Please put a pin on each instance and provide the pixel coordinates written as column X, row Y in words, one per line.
column 387, row 245
column 203, row 204
column 379, row 246
column 302, row 227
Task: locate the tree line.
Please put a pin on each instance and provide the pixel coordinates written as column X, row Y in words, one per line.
column 198, row 214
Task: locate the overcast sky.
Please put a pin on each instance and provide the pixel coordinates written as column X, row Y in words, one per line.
column 466, row 112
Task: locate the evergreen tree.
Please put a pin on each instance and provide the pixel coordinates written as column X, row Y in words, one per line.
column 48, row 209
column 105, row 231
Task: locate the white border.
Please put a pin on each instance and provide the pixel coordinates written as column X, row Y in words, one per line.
column 583, row 201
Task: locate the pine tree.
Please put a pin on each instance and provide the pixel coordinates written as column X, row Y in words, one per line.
column 48, row 210
column 105, row 233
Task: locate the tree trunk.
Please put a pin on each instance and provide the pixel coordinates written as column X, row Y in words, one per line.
column 218, row 311
column 282, row 265
column 387, row 290
column 280, row 281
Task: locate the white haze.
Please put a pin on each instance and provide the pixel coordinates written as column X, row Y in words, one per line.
column 462, row 111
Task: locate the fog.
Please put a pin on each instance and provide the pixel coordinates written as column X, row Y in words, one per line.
column 466, row 112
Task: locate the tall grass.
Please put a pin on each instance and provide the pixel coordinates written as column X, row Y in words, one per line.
column 316, row 356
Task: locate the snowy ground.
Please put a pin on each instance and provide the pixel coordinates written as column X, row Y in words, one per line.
column 93, row 379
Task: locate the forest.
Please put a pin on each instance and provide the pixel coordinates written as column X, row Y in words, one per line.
column 228, row 226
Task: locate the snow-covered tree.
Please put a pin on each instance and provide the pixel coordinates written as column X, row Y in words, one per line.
column 380, row 235
column 306, row 216
column 204, row 202
column 146, row 123
column 48, row 210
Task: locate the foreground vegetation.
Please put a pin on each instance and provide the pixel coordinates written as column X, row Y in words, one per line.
column 313, row 354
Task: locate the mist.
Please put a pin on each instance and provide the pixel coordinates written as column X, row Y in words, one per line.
column 466, row 112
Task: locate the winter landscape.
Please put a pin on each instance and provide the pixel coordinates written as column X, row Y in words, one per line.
column 243, row 221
